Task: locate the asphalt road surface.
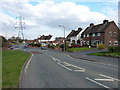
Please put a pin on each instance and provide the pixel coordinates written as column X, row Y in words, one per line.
column 49, row 69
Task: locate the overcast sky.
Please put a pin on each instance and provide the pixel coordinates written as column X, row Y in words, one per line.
column 44, row 16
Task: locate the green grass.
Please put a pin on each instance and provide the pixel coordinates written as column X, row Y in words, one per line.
column 77, row 49
column 104, row 54
column 12, row 63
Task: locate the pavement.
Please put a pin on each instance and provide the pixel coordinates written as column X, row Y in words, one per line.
column 55, row 69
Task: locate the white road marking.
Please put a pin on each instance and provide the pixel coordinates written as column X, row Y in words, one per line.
column 98, row 83
column 65, row 67
column 28, row 63
column 92, row 62
column 104, row 79
column 79, row 70
column 109, row 77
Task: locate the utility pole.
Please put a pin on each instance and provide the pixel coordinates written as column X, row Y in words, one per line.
column 64, row 37
column 20, row 25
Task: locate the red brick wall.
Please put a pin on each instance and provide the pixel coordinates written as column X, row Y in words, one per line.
column 113, row 28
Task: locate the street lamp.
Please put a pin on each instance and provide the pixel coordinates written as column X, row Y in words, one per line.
column 64, row 35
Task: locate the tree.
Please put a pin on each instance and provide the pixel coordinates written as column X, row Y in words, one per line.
column 3, row 40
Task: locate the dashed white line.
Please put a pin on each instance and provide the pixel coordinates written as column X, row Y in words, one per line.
column 109, row 77
column 79, row 70
column 28, row 63
column 98, row 83
column 92, row 62
column 65, row 67
column 104, row 79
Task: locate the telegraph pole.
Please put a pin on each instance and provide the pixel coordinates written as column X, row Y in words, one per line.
column 64, row 37
column 20, row 25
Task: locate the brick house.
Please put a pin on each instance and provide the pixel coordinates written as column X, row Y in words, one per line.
column 105, row 33
column 74, row 36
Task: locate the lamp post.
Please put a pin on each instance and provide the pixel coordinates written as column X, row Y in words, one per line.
column 64, row 35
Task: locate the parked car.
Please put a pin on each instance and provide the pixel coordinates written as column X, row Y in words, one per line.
column 14, row 47
column 43, row 48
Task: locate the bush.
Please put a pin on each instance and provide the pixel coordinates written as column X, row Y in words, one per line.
column 100, row 46
column 110, row 49
column 114, row 49
column 52, row 46
column 39, row 45
column 117, row 49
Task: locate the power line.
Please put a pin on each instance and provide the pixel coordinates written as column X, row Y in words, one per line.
column 20, row 25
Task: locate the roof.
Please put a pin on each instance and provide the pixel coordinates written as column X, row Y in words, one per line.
column 59, row 38
column 97, row 28
column 74, row 33
column 45, row 37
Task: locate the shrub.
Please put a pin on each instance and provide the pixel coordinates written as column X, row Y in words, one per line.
column 52, row 46
column 49, row 46
column 113, row 49
column 110, row 49
column 100, row 46
column 39, row 45
column 117, row 49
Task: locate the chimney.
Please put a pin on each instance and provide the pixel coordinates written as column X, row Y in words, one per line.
column 105, row 21
column 92, row 24
column 73, row 30
column 79, row 29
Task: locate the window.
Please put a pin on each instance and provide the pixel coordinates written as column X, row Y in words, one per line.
column 87, row 35
column 110, row 33
column 84, row 35
column 110, row 43
column 88, row 42
column 93, row 34
column 98, row 34
column 115, row 42
column 101, row 42
column 114, row 33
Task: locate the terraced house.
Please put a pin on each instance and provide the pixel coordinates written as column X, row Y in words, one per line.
column 106, row 33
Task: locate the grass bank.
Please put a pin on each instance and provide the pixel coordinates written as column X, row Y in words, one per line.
column 77, row 49
column 104, row 54
column 12, row 62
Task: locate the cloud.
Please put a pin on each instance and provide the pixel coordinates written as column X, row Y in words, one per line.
column 45, row 16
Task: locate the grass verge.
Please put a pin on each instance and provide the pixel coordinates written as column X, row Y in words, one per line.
column 78, row 49
column 12, row 63
column 104, row 54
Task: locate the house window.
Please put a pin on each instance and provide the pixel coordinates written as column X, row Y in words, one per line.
column 98, row 34
column 84, row 35
column 110, row 43
column 110, row 33
column 115, row 42
column 101, row 42
column 93, row 34
column 87, row 35
column 114, row 33
column 88, row 42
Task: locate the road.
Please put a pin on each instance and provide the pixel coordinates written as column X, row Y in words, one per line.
column 49, row 69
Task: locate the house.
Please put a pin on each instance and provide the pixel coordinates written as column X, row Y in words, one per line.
column 105, row 33
column 43, row 37
column 59, row 39
column 74, row 36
